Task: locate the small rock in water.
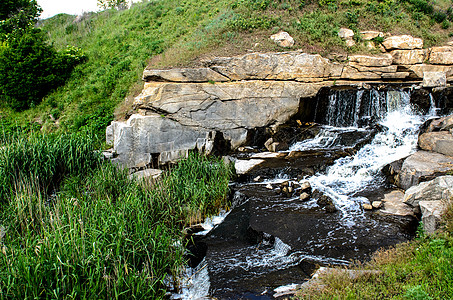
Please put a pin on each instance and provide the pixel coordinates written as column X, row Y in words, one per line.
column 257, row 179
column 269, row 186
column 306, row 187
column 367, row 206
column 304, row 196
column 331, row 208
column 285, row 183
column 377, row 204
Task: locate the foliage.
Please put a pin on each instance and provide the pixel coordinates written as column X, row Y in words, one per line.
column 30, row 68
column 17, row 15
column 43, row 159
column 103, row 233
column 118, row 4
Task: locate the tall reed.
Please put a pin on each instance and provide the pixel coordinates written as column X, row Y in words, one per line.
column 103, row 235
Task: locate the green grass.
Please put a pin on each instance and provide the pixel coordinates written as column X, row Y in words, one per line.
column 120, row 44
column 98, row 233
column 420, row 269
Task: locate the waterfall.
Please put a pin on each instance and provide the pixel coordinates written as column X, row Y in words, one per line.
column 399, row 139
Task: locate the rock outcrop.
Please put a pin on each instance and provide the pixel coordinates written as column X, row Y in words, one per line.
column 185, row 109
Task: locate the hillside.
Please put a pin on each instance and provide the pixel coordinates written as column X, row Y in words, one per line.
column 120, row 44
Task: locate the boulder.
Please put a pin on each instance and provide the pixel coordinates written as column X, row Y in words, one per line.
column 422, row 166
column 372, row 61
column 377, row 204
column 440, row 188
column 245, row 166
column 184, row 75
column 369, row 35
column 441, row 55
column 283, row 39
column 268, row 155
column 394, row 204
column 292, row 65
column 434, row 79
column 408, row 57
column 440, row 142
column 432, row 212
column 345, row 33
column 402, row 42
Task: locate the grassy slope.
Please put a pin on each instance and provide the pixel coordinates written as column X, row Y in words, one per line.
column 119, row 44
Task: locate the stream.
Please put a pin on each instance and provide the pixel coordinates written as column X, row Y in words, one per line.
column 271, row 239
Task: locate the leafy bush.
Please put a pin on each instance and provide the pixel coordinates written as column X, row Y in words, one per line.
column 30, row 68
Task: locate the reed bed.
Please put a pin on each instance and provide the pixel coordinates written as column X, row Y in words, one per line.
column 100, row 234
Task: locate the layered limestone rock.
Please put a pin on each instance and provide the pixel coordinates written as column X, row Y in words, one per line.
column 402, row 42
column 276, row 66
column 185, row 109
column 174, row 118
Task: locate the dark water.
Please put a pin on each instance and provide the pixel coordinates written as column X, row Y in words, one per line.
column 272, row 239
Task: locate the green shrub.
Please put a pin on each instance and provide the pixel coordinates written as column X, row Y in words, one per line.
column 30, row 69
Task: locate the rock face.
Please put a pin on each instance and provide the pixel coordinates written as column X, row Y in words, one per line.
column 276, row 66
column 440, row 188
column 422, row 166
column 216, row 107
column 440, row 142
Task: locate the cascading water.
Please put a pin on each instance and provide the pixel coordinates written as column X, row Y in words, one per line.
column 268, row 241
column 352, row 174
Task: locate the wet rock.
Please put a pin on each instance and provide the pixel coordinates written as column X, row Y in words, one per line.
column 324, row 201
column 257, row 179
column 304, row 196
column 269, row 186
column 238, row 199
column 283, row 39
column 305, row 187
column 394, row 204
column 421, row 99
column 440, row 142
column 432, row 212
column 422, row 166
column 367, row 206
column 268, row 155
column 273, row 146
column 287, row 188
column 377, row 204
column 444, row 99
column 441, row 188
column 403, row 42
column 245, row 166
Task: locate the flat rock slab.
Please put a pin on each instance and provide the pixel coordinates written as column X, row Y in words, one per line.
column 440, row 142
column 394, row 204
column 267, row 155
column 245, row 166
column 423, row 165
